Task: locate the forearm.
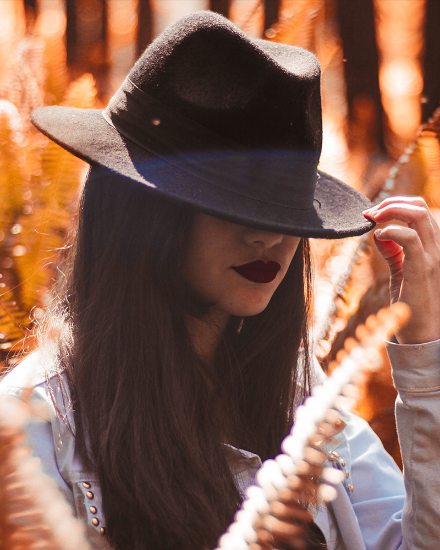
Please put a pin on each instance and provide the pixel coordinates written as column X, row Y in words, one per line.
column 416, row 372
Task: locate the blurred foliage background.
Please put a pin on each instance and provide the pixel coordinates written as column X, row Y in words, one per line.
column 381, row 80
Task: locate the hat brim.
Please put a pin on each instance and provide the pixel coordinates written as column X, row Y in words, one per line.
column 336, row 211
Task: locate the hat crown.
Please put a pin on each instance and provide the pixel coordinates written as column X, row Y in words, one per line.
column 253, row 92
column 223, row 123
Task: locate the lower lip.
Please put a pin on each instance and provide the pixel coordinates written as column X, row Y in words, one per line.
column 257, row 275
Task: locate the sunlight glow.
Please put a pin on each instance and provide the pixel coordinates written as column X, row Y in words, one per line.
column 249, row 16
column 122, row 26
column 399, row 32
column 165, row 12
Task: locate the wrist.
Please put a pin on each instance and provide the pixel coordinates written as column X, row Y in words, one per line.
column 415, row 338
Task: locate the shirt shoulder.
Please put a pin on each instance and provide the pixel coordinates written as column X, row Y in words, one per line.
column 29, row 373
column 35, row 378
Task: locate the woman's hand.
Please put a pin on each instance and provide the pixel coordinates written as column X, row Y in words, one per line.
column 412, row 253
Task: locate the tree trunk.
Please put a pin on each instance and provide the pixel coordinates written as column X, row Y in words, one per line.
column 221, row 7
column 271, row 9
column 104, row 24
column 71, row 32
column 145, row 26
column 357, row 31
column 431, row 59
column 32, row 4
column 31, row 12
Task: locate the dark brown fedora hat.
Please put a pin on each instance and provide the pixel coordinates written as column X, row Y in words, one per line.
column 224, row 123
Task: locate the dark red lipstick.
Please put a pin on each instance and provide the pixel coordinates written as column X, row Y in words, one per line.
column 259, row 271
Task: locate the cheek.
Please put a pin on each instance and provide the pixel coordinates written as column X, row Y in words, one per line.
column 292, row 246
column 290, row 249
column 208, row 256
column 201, row 273
column 202, row 282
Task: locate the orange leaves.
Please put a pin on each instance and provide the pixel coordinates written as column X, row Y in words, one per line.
column 39, row 188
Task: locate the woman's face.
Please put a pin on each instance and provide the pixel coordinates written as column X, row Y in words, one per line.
column 235, row 267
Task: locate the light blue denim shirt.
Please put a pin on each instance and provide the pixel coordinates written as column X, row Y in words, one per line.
column 376, row 508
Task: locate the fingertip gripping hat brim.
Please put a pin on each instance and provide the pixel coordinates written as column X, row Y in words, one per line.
column 225, row 155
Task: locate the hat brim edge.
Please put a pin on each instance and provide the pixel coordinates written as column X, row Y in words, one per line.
column 87, row 135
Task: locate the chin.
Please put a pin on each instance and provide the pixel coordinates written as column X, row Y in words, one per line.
column 249, row 310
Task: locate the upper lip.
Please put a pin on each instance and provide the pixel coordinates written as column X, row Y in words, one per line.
column 261, row 265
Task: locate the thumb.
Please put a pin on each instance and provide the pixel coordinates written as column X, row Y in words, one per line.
column 390, row 251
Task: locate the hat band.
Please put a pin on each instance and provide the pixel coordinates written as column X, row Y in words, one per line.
column 279, row 177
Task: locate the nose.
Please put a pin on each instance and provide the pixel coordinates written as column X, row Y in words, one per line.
column 261, row 238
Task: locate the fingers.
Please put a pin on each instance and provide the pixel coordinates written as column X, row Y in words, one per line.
column 389, row 250
column 410, row 210
column 413, row 256
column 397, row 240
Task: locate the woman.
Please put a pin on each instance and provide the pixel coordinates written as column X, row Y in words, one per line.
column 170, row 356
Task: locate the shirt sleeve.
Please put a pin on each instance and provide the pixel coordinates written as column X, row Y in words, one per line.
column 378, row 490
column 40, row 436
column 368, row 510
column 416, row 373
column 395, row 513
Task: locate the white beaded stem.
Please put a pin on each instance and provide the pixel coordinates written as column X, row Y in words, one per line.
column 256, row 500
column 273, row 474
column 340, row 289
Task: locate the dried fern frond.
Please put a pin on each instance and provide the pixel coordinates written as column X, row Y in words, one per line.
column 14, row 178
column 22, row 82
column 296, row 23
column 33, row 513
column 39, row 188
column 13, row 173
column 55, row 192
column 300, row 468
column 50, row 27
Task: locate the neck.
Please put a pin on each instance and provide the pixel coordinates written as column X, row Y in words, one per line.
column 206, row 334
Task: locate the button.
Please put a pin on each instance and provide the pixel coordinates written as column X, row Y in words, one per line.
column 102, row 530
column 347, row 474
column 335, row 454
column 93, row 509
column 95, row 521
column 86, row 485
column 350, row 488
column 342, row 462
column 89, row 494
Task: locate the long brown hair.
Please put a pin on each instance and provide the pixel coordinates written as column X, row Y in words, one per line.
column 150, row 418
